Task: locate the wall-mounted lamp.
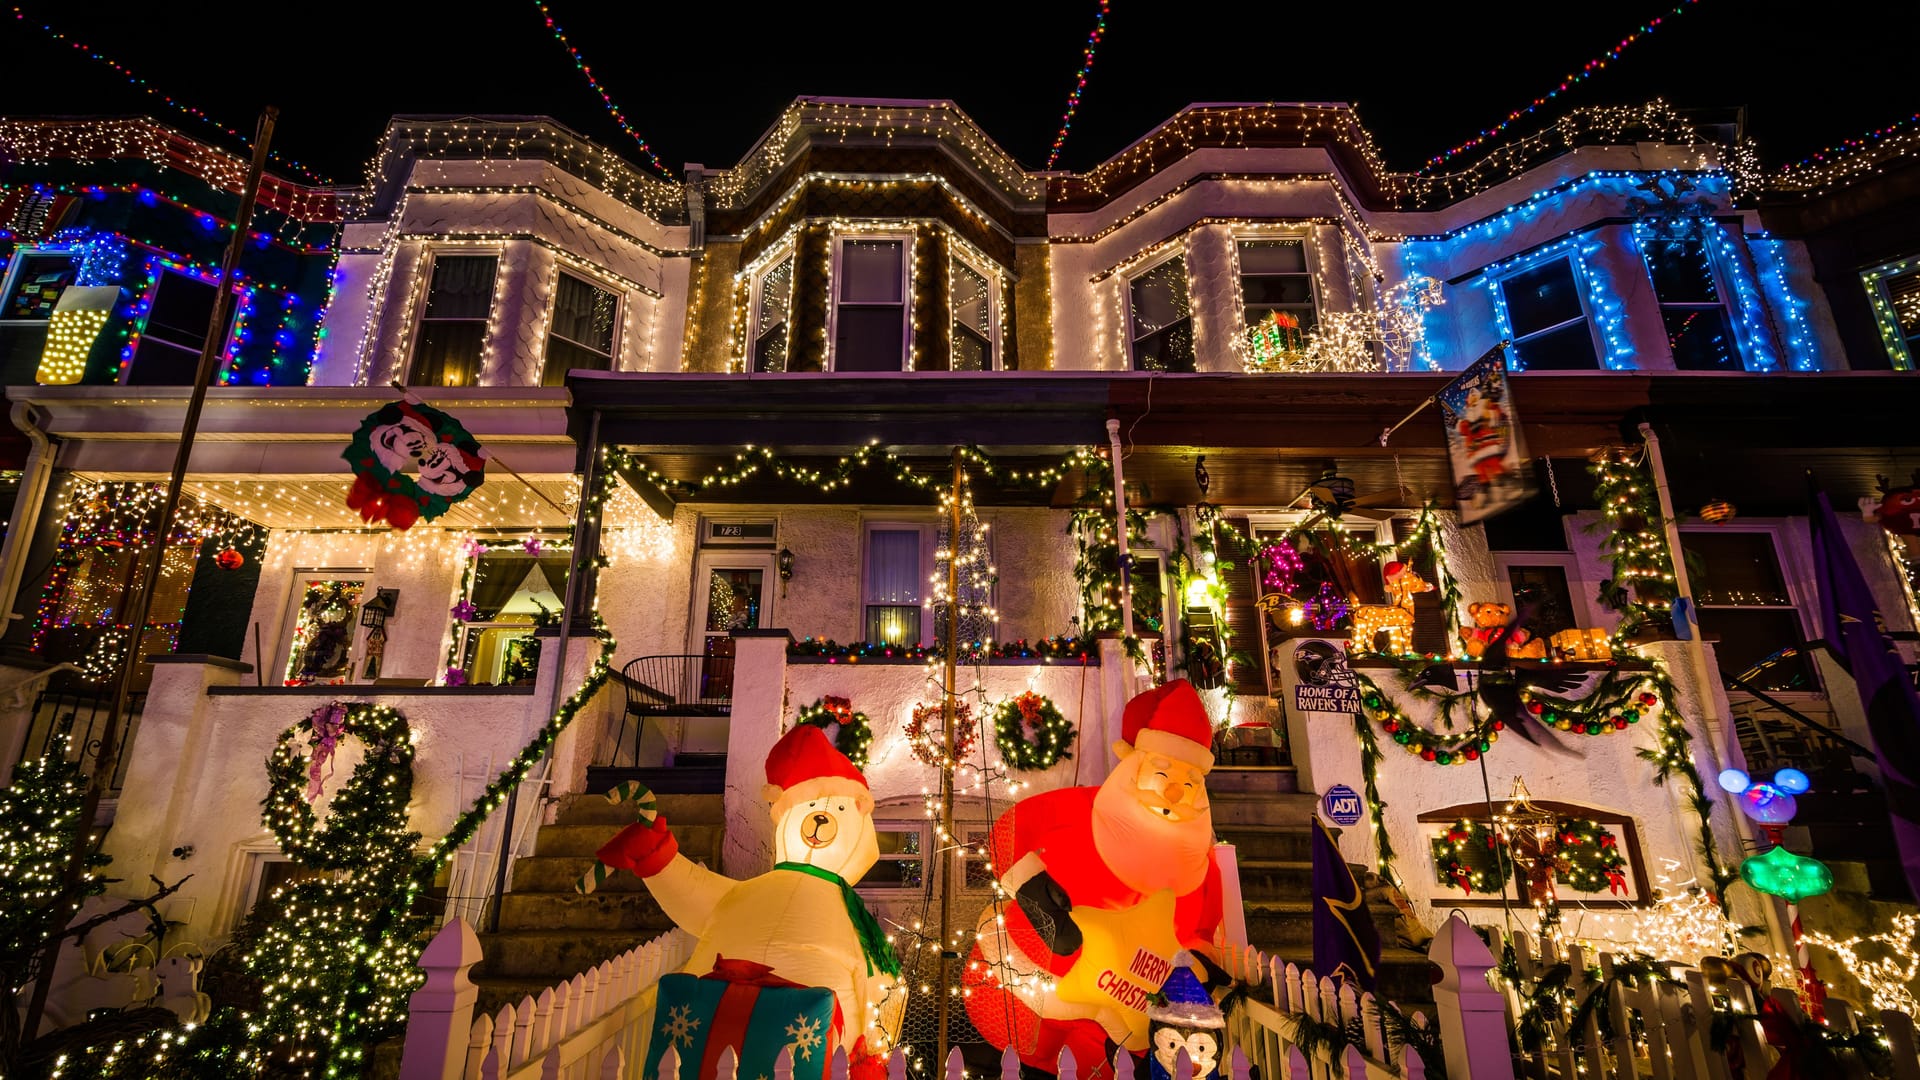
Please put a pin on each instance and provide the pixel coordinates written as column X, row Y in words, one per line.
column 785, row 559
column 375, row 612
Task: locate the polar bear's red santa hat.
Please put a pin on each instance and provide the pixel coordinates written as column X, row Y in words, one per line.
column 804, row 766
column 1170, row 720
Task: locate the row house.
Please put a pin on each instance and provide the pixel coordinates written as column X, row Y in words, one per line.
column 766, row 375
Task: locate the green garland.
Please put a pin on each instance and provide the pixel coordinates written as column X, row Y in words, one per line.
column 361, row 809
column 1376, row 808
column 1052, row 732
column 855, row 737
column 1444, row 749
column 1643, row 587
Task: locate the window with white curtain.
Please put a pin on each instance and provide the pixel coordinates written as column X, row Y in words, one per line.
column 453, row 325
column 973, row 315
column 581, row 334
column 895, row 583
column 870, row 305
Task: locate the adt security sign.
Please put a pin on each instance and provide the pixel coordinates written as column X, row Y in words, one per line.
column 1342, row 804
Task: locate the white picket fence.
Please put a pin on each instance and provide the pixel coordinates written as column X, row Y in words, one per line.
column 595, row 1026
column 585, row 1028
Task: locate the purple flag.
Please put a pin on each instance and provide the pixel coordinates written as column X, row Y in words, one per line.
column 1850, row 618
column 1344, row 938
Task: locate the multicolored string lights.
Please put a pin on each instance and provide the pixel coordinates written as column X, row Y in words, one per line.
column 175, row 103
column 1572, row 79
column 1079, row 83
column 613, row 110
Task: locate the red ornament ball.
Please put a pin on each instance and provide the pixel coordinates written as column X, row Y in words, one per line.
column 1619, row 724
column 1499, row 725
column 229, row 559
column 1535, row 707
column 1471, row 753
column 1426, row 755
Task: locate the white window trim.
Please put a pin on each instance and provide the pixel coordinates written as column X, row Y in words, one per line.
column 1175, row 251
column 894, row 816
column 619, row 315
column 756, row 283
column 1577, row 267
column 19, row 261
column 418, row 316
column 1885, row 320
column 1310, row 251
column 705, row 562
column 840, row 241
column 994, row 327
column 1792, row 559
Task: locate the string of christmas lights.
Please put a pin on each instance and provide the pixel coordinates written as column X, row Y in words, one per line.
column 606, row 99
column 175, row 103
column 1848, row 146
column 1079, row 83
column 1572, row 79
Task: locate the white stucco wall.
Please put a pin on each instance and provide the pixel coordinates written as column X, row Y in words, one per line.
column 198, row 777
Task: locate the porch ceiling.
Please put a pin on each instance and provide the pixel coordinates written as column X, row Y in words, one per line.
column 309, row 502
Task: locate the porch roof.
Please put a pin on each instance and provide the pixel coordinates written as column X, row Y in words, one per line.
column 272, row 455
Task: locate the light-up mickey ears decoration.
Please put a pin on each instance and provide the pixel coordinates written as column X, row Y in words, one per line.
column 1792, row 781
column 1733, row 781
column 1766, row 803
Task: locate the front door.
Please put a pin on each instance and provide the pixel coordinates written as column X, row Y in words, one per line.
column 731, row 592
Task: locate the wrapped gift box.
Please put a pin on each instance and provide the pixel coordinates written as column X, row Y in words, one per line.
column 746, row 1006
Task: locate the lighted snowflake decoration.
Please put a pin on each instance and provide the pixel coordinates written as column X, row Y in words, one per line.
column 680, row 1025
column 806, row 1036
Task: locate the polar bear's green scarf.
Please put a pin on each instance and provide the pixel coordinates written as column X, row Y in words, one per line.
column 873, row 941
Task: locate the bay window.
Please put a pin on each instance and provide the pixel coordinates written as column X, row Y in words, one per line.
column 1549, row 324
column 1690, row 305
column 581, row 333
column 1160, row 318
column 453, row 326
column 870, row 305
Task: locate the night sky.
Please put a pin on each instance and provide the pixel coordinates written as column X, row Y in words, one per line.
column 701, row 81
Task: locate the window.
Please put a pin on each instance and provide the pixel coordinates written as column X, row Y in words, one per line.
column 38, row 280
column 772, row 312
column 1549, row 326
column 1690, row 305
column 1460, row 840
column 326, row 616
column 1274, row 280
column 973, row 319
column 1160, row 318
column 870, row 311
column 1895, row 292
column 1744, row 604
column 903, row 856
column 581, row 335
column 512, row 592
column 1543, row 593
column 895, row 583
column 91, row 602
column 176, row 330
column 454, row 324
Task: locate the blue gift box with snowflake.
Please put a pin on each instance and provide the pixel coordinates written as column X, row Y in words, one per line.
column 743, row 1005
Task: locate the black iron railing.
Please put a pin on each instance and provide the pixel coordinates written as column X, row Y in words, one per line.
column 668, row 687
column 81, row 716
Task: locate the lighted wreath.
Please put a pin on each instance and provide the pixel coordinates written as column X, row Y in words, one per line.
column 365, row 811
column 448, row 464
column 851, row 731
column 1031, row 733
column 1584, row 855
column 926, row 733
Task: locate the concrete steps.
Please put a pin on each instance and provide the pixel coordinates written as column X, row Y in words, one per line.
column 547, row 931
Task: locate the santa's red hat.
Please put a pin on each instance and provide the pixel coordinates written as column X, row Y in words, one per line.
column 1170, row 720
column 804, row 766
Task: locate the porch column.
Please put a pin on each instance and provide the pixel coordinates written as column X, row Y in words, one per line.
column 758, row 718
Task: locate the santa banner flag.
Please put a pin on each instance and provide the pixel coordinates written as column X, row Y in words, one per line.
column 1490, row 468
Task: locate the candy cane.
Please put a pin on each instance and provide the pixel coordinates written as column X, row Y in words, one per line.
column 646, row 808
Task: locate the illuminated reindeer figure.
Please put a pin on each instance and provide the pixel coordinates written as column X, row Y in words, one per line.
column 1395, row 618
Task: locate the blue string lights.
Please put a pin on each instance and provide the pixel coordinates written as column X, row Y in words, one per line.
column 1771, row 266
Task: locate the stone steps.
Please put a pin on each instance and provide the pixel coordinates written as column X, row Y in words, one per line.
column 547, row 931
column 1253, row 842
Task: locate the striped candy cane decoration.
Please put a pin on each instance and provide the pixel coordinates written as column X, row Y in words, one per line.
column 645, row 806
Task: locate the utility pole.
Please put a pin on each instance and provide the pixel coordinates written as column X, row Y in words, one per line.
column 949, row 719
column 156, row 552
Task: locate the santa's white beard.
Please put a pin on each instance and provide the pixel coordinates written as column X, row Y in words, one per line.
column 1146, row 851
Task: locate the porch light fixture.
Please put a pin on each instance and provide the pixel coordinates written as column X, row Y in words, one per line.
column 375, row 612
column 786, row 565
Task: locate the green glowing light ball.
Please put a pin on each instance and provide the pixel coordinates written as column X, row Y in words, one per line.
column 1781, row 873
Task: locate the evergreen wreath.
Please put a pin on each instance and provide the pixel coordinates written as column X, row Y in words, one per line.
column 1052, row 732
column 1584, row 854
column 852, row 731
column 366, row 824
column 380, row 492
column 926, row 728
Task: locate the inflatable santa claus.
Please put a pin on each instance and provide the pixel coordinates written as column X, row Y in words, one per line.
column 1105, row 885
column 802, row 920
